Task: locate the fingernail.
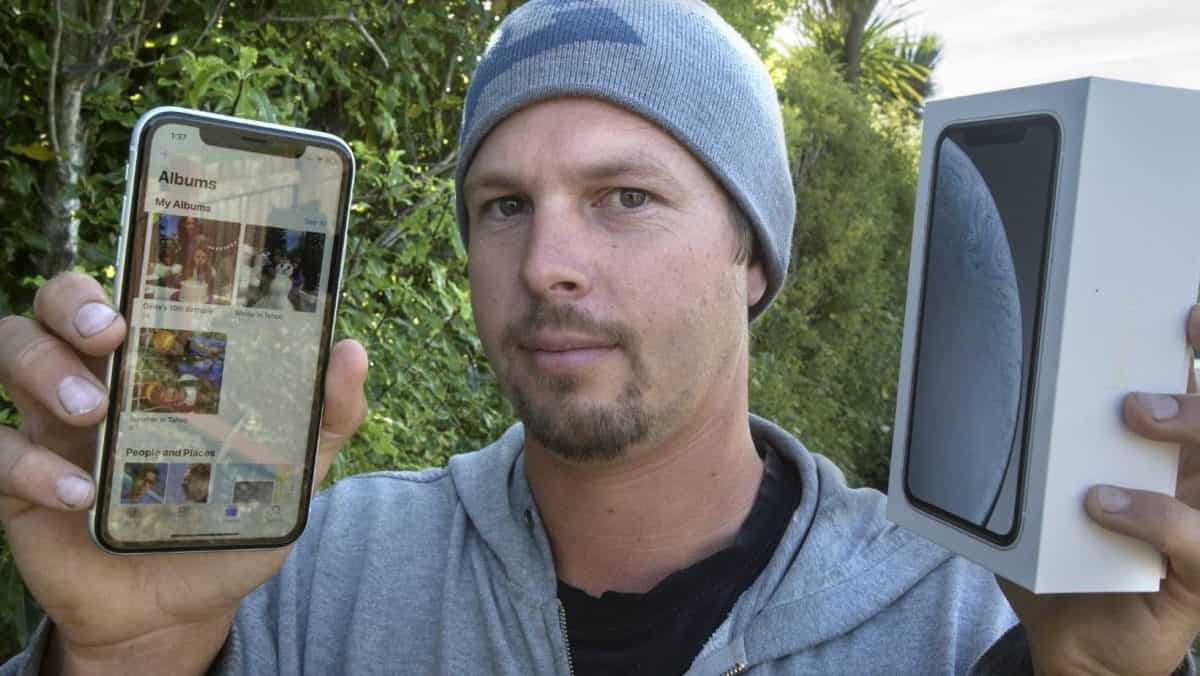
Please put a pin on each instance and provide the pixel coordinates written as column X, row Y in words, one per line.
column 1161, row 406
column 1112, row 500
column 73, row 491
column 93, row 318
column 79, row 395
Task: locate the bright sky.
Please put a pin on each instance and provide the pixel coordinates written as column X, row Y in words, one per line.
column 996, row 44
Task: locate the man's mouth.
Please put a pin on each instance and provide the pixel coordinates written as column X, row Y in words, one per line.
column 562, row 353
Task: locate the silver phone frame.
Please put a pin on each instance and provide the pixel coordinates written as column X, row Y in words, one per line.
column 118, row 283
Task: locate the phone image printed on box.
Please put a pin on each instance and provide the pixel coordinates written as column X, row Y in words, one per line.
column 979, row 322
column 230, row 259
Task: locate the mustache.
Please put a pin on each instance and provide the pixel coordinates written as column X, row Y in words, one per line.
column 544, row 316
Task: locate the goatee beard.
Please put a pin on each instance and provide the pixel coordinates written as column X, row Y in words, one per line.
column 584, row 432
column 574, row 429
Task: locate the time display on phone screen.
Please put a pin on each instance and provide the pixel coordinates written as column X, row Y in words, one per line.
column 227, row 290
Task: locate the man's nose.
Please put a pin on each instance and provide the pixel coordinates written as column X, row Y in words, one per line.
column 558, row 254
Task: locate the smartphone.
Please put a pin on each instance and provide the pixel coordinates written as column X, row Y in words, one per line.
column 979, row 322
column 233, row 234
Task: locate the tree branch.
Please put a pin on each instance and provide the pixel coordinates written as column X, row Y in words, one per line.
column 53, row 94
column 370, row 40
column 306, row 19
column 105, row 17
column 139, row 35
column 107, row 36
column 442, row 166
column 212, row 19
column 449, row 74
column 393, row 233
column 348, row 17
column 218, row 9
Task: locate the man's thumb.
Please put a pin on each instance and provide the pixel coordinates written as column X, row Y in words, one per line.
column 345, row 404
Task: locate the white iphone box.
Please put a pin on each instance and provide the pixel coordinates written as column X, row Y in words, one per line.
column 1055, row 256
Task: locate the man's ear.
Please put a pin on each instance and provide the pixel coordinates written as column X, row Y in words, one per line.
column 756, row 282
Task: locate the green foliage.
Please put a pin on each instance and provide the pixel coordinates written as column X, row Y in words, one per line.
column 23, row 151
column 826, row 354
column 893, row 66
column 21, row 611
column 756, row 20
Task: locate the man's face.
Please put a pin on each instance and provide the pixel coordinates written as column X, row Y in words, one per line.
column 195, row 487
column 149, row 478
column 603, row 279
column 166, row 395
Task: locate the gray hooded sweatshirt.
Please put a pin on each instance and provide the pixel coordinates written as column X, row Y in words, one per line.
column 449, row 571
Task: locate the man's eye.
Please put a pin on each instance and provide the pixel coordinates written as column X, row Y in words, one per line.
column 505, row 207
column 510, row 206
column 629, row 198
column 632, row 199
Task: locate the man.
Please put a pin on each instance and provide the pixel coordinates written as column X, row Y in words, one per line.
column 194, row 485
column 627, row 206
column 141, row 488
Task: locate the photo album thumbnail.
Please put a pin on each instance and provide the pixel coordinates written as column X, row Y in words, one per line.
column 280, row 269
column 188, row 483
column 178, row 371
column 191, row 260
column 250, row 484
column 142, row 483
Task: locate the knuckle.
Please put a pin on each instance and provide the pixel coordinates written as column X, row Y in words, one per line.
column 37, row 351
column 47, row 292
column 64, row 285
column 12, row 328
column 1172, row 533
column 16, row 464
column 10, row 325
column 70, row 278
column 18, row 470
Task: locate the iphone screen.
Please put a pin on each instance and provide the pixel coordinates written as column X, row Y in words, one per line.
column 229, row 286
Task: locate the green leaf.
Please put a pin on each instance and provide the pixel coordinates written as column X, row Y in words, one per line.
column 262, row 105
column 247, row 57
column 36, row 240
column 38, row 55
column 203, row 72
column 20, row 177
column 266, row 73
column 34, row 151
column 75, row 25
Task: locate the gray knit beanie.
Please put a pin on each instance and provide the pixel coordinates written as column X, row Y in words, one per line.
column 674, row 62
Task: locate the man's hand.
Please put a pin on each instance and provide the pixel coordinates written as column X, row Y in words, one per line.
column 165, row 613
column 1131, row 634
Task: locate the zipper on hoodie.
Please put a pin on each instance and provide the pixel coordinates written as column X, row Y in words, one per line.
column 562, row 623
column 737, row 668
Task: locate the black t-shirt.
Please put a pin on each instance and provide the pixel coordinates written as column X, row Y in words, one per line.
column 661, row 632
